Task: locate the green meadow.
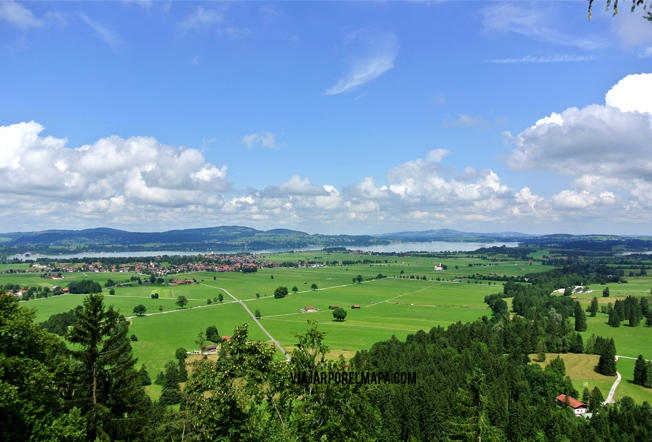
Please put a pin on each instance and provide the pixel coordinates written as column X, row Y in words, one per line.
column 398, row 304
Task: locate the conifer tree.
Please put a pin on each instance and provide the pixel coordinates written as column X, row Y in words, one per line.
column 639, row 371
column 607, row 362
column 107, row 389
column 171, row 391
column 647, row 382
column 595, row 399
column 580, row 318
column 144, row 376
column 594, row 307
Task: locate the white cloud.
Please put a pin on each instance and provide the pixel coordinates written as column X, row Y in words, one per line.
column 298, row 186
column 265, row 139
column 599, row 140
column 113, row 172
column 103, row 32
column 544, row 59
column 570, row 199
column 632, row 94
column 536, row 22
column 476, row 122
column 202, row 19
column 607, row 147
column 376, row 56
column 18, row 15
column 632, row 30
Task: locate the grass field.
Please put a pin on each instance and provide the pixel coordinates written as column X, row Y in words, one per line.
column 581, row 369
column 630, row 341
column 392, row 306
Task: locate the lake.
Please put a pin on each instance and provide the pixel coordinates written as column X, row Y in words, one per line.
column 432, row 246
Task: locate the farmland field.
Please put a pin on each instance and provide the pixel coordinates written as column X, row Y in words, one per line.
column 393, row 296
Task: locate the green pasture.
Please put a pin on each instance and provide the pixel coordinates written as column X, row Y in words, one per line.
column 13, row 266
column 581, row 369
column 160, row 335
column 627, row 386
column 630, row 341
column 46, row 307
column 34, row 279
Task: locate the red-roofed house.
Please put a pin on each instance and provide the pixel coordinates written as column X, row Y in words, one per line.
column 578, row 407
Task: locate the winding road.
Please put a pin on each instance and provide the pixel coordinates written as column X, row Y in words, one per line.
column 610, row 398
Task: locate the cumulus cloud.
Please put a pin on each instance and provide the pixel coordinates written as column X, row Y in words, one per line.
column 607, row 147
column 375, row 56
column 298, row 186
column 570, row 199
column 265, row 139
column 107, row 176
column 632, row 94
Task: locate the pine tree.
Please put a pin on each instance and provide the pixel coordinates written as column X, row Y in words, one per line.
column 645, row 306
column 181, row 356
column 607, row 362
column 639, row 371
column 595, row 399
column 614, row 318
column 580, row 318
column 108, row 388
column 605, row 292
column 144, row 376
column 594, row 307
column 171, row 391
column 633, row 318
column 619, row 308
column 647, row 383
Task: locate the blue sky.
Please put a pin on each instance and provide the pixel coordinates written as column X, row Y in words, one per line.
column 326, row 117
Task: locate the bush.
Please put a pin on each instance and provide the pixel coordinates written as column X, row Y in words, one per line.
column 280, row 292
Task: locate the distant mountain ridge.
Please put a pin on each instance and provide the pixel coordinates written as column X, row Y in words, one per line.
column 106, row 235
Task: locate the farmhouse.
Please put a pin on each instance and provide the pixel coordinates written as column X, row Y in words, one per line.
column 578, row 407
column 356, row 306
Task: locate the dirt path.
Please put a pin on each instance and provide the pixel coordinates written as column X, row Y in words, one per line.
column 610, row 398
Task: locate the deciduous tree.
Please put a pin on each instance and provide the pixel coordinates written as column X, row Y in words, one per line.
column 181, row 301
column 339, row 314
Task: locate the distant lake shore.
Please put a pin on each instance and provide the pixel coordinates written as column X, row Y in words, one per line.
column 432, row 246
